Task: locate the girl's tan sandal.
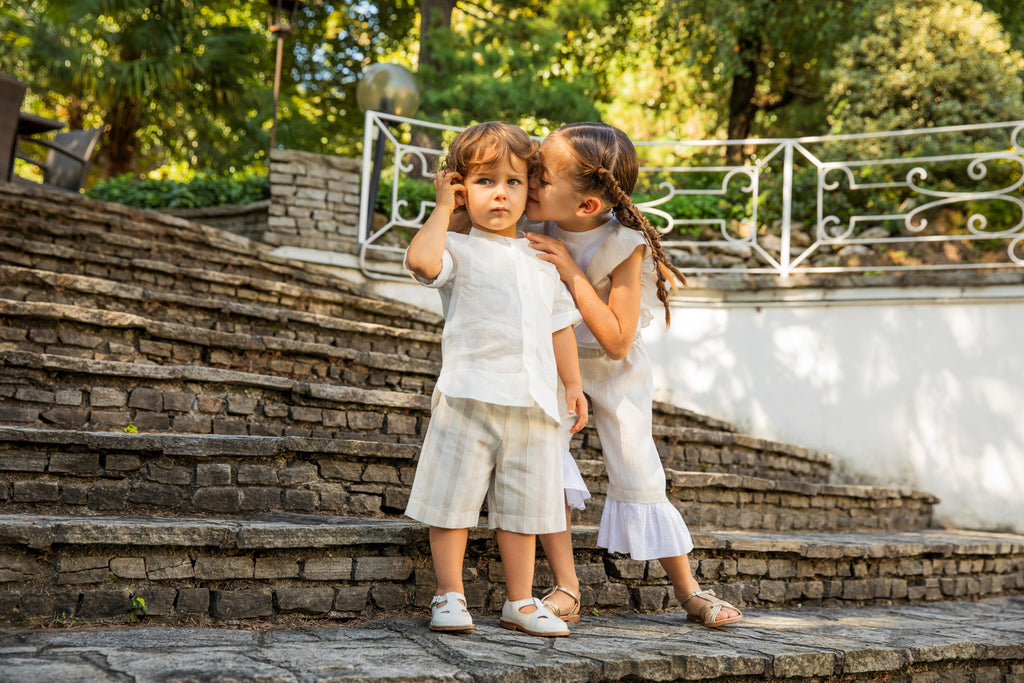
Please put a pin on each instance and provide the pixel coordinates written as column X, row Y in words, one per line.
column 572, row 615
column 707, row 616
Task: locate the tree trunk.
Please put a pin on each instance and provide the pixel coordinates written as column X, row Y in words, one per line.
column 122, row 138
column 435, row 25
column 742, row 100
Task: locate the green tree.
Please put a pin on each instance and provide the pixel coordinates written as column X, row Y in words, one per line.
column 922, row 64
column 757, row 56
column 502, row 60
column 925, row 63
column 166, row 77
column 324, row 60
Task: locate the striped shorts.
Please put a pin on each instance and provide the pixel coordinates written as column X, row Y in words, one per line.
column 473, row 450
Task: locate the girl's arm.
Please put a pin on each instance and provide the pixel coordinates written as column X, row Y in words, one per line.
column 613, row 324
column 568, row 362
column 423, row 257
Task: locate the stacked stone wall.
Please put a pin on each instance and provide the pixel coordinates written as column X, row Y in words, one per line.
column 314, row 201
column 197, row 569
column 246, row 220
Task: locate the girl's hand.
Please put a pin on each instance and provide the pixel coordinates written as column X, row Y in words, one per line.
column 577, row 404
column 451, row 193
column 553, row 251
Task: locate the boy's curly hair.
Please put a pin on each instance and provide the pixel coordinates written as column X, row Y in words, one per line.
column 603, row 162
column 486, row 144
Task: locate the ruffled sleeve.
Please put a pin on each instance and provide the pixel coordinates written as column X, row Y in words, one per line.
column 616, row 249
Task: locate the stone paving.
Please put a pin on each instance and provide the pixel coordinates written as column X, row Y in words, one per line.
column 931, row 643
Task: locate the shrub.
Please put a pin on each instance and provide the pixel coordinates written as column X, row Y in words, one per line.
column 925, row 64
column 200, row 191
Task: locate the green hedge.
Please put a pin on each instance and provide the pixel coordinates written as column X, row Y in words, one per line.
column 202, row 190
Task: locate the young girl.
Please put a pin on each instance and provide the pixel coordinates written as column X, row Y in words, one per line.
column 494, row 423
column 610, row 257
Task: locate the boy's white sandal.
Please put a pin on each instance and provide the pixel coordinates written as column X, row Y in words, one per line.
column 541, row 622
column 448, row 613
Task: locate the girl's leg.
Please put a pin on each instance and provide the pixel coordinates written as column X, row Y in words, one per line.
column 518, row 553
column 558, row 549
column 447, row 550
column 683, row 582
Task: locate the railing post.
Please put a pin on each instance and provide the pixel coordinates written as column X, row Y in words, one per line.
column 787, row 208
column 366, row 211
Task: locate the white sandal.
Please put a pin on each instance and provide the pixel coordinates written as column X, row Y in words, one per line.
column 448, row 613
column 541, row 622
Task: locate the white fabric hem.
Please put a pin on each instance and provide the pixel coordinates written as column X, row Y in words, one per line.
column 575, row 488
column 644, row 531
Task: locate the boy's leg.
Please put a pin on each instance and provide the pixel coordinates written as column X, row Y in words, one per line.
column 558, row 549
column 518, row 554
column 447, row 550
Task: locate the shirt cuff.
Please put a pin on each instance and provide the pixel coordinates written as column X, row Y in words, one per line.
column 447, row 266
column 566, row 319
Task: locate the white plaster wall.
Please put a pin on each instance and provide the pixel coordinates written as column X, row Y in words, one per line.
column 922, row 389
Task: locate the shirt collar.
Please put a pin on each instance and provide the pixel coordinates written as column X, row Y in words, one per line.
column 477, row 232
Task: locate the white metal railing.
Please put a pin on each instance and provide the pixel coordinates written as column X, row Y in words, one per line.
column 949, row 198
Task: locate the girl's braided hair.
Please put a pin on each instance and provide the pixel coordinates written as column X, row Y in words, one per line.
column 604, row 163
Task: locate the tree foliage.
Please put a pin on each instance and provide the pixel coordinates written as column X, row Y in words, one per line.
column 166, row 77
column 506, row 61
column 190, row 83
column 925, row 63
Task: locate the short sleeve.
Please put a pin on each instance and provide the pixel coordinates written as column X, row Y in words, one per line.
column 617, row 249
column 564, row 313
column 447, row 269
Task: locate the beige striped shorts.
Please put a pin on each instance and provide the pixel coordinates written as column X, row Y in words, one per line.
column 508, row 455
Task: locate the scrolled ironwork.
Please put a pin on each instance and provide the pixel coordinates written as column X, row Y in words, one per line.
column 802, row 200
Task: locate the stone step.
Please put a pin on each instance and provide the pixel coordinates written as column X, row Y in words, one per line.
column 714, row 500
column 950, row 642
column 90, row 473
column 266, row 567
column 206, row 312
column 17, row 250
column 42, row 390
column 26, row 284
column 98, row 226
column 95, row 473
column 48, row 391
column 699, row 448
column 94, row 334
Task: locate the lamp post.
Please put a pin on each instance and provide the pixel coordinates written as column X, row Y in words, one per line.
column 391, row 89
column 281, row 22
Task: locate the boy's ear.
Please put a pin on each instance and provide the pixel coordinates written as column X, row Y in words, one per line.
column 590, row 206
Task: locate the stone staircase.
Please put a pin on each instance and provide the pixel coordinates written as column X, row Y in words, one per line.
column 230, row 436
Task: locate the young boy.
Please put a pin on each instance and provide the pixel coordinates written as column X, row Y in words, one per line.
column 493, row 428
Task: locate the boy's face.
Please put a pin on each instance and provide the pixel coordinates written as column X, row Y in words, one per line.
column 552, row 197
column 496, row 195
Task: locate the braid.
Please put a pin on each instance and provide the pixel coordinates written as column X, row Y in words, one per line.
column 630, row 216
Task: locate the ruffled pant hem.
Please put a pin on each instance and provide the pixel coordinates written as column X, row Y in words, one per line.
column 644, row 531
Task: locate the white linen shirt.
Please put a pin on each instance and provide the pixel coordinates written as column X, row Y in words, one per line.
column 501, row 305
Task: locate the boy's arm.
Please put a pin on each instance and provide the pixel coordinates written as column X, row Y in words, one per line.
column 568, row 363
column 423, row 257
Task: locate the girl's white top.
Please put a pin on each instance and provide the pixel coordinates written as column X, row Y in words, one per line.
column 598, row 252
column 501, row 305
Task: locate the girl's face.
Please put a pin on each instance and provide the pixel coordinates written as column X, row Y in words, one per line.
column 552, row 197
column 496, row 195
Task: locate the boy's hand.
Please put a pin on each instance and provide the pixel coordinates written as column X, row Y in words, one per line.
column 451, row 193
column 577, row 404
